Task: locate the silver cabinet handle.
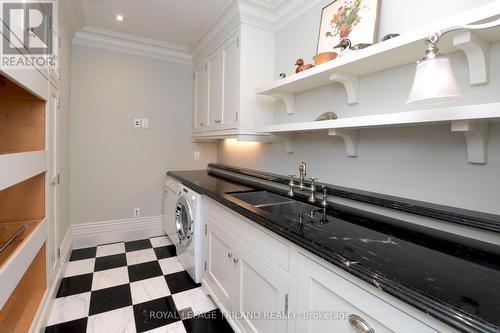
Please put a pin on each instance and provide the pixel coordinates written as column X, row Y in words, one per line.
column 230, row 254
column 236, row 260
column 360, row 324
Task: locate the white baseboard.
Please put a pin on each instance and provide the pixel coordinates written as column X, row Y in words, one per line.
column 66, row 247
column 96, row 233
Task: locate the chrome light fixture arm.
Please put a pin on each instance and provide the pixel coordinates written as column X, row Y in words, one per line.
column 433, row 40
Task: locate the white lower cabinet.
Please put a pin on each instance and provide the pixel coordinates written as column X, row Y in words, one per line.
column 260, row 294
column 240, row 279
column 246, row 273
column 219, row 266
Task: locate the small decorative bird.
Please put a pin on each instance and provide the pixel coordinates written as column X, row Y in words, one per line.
column 345, row 44
column 301, row 66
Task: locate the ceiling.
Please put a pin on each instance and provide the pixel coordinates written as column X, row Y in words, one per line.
column 171, row 21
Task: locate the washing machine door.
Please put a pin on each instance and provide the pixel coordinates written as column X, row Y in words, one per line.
column 184, row 221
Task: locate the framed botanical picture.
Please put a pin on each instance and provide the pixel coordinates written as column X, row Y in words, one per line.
column 348, row 19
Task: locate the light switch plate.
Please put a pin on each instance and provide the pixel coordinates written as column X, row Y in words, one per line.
column 145, row 123
column 196, row 155
column 137, row 123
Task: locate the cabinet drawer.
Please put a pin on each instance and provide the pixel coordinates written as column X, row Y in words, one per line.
column 321, row 291
column 277, row 251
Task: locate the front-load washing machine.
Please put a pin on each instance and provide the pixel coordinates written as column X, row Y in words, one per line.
column 188, row 237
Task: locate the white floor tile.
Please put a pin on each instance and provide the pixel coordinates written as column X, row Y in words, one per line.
column 160, row 241
column 69, row 308
column 149, row 289
column 120, row 320
column 110, row 249
column 176, row 327
column 110, row 278
column 80, row 267
column 195, row 299
column 170, row 265
column 138, row 257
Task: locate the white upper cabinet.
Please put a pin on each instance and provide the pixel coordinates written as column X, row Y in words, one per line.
column 229, row 58
column 200, row 98
column 215, row 88
column 234, row 67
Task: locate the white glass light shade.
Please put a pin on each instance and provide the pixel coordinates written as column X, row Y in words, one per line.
column 434, row 83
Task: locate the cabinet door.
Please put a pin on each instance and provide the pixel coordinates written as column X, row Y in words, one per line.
column 322, row 292
column 260, row 293
column 220, row 271
column 200, row 105
column 214, row 68
column 230, row 96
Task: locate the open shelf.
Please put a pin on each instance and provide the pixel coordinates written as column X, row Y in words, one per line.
column 21, row 166
column 22, row 119
column 21, row 206
column 402, row 50
column 471, row 120
column 18, row 312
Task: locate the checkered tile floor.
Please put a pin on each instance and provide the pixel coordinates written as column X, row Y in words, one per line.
column 137, row 286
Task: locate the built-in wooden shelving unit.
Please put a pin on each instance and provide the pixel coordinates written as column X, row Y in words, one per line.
column 402, row 50
column 23, row 232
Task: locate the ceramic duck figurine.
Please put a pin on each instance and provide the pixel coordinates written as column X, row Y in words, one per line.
column 345, row 44
column 301, row 66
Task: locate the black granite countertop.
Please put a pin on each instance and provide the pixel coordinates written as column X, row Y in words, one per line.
column 452, row 278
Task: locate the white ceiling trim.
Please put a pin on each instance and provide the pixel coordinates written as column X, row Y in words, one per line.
column 72, row 16
column 274, row 14
column 120, row 42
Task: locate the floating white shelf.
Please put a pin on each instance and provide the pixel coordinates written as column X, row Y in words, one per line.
column 471, row 120
column 21, row 166
column 405, row 49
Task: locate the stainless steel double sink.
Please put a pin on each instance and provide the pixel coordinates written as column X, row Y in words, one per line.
column 278, row 205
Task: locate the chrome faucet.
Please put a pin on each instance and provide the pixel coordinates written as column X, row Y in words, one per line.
column 300, row 185
column 302, row 174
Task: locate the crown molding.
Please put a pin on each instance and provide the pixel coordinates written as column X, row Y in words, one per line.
column 216, row 31
column 274, row 14
column 72, row 16
column 120, row 42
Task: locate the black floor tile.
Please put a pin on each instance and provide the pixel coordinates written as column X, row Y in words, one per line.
column 75, row 285
column 138, row 245
column 144, row 271
column 80, row 254
column 165, row 251
column 110, row 299
column 180, row 281
column 210, row 322
column 156, row 313
column 75, row 326
column 108, row 262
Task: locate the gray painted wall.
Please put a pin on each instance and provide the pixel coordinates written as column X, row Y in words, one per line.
column 424, row 162
column 115, row 167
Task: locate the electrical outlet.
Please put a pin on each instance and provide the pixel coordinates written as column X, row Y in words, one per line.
column 137, row 212
column 137, row 123
column 145, row 123
column 196, row 155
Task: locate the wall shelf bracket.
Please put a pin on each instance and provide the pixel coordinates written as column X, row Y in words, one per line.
column 351, row 85
column 288, row 99
column 477, row 51
column 350, row 137
column 476, row 137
